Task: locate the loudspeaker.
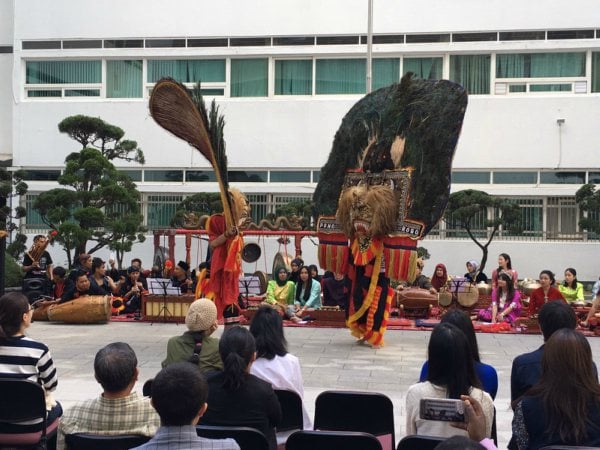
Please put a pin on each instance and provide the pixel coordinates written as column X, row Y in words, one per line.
column 33, row 288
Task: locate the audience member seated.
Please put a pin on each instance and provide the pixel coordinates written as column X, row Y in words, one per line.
column 179, row 395
column 132, row 290
column 197, row 345
column 527, row 368
column 564, row 407
column 439, row 279
column 24, row 358
column 421, row 281
column 118, row 410
column 475, row 425
column 280, row 290
column 474, row 275
column 451, row 374
column 506, row 302
column 99, row 282
column 83, row 264
column 486, row 373
column 336, row 290
column 571, row 289
column 593, row 310
column 181, row 279
column 504, row 265
column 273, row 362
column 314, row 272
column 307, row 295
column 80, row 288
column 236, row 397
column 544, row 294
column 296, row 265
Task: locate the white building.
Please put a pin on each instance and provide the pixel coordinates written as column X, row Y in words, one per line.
column 285, row 73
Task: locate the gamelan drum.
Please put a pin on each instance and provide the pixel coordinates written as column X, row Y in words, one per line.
column 40, row 313
column 416, row 298
column 445, row 298
column 469, row 296
column 90, row 309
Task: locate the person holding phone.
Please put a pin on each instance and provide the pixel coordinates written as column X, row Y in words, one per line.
column 451, row 374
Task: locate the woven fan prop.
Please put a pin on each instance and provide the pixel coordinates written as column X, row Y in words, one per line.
column 183, row 113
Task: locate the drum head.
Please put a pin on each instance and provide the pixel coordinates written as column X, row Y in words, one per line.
column 262, row 278
column 445, row 298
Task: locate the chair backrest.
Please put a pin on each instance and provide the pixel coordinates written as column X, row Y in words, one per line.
column 566, row 447
column 21, row 400
column 291, row 410
column 246, row 437
column 416, row 442
column 336, row 411
column 332, row 440
column 85, row 441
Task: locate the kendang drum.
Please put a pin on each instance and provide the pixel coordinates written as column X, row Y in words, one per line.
column 468, row 297
column 40, row 313
column 90, row 309
column 166, row 308
column 445, row 298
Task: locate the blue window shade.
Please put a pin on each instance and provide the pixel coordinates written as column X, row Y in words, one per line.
column 290, row 176
column 63, row 72
column 471, row 177
column 385, row 72
column 424, row 68
column 249, row 77
column 187, row 71
column 472, row 72
column 123, row 79
column 562, row 177
column 341, row 76
column 293, row 77
column 163, row 175
column 515, row 177
column 539, row 65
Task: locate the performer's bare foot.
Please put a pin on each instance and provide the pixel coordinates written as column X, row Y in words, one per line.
column 360, row 341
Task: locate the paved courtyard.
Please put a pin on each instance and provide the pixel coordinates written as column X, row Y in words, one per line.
column 330, row 360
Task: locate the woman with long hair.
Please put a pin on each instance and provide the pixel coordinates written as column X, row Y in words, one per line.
column 236, row 397
column 570, row 288
column 451, row 374
column 506, row 302
column 545, row 293
column 486, row 373
column 440, row 277
column 26, row 359
column 308, row 292
column 273, row 362
column 504, row 265
column 564, row 407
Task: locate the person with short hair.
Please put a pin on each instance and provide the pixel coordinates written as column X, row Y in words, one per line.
column 42, row 267
column 80, row 288
column 59, row 281
column 82, row 264
column 100, row 283
column 181, row 279
column 118, row 410
column 179, row 393
column 197, row 345
column 132, row 290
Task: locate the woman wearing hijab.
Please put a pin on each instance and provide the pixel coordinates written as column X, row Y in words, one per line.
column 280, row 290
column 440, row 277
column 473, row 274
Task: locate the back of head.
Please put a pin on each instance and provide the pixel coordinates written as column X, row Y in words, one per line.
column 459, row 443
column 12, row 307
column 59, row 271
column 554, row 316
column 115, row 366
column 462, row 320
column 267, row 329
column 237, row 349
column 450, row 361
column 178, row 393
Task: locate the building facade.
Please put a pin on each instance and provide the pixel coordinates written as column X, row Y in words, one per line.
column 284, row 74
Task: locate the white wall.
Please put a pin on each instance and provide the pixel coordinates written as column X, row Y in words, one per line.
column 6, row 88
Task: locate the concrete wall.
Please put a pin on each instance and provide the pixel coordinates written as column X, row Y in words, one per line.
column 6, row 87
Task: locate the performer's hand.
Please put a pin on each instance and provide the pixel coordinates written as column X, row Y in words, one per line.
column 233, row 231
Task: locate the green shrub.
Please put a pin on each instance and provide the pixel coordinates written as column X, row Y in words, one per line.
column 12, row 272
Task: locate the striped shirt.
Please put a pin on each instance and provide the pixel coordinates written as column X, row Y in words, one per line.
column 185, row 438
column 23, row 358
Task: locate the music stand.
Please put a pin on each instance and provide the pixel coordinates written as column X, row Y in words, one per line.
column 251, row 286
column 164, row 287
column 459, row 284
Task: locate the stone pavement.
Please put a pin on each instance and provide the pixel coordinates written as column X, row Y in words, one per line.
column 330, row 360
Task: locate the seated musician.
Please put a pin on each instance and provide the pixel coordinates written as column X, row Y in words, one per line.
column 41, row 267
column 137, row 262
column 132, row 290
column 81, row 288
column 280, row 291
column 181, row 279
column 336, row 290
column 59, row 281
column 421, row 281
column 101, row 283
column 83, row 263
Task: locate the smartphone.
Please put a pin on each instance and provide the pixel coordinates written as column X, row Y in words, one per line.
column 444, row 409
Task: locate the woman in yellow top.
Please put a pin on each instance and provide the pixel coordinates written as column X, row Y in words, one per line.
column 280, row 291
column 570, row 288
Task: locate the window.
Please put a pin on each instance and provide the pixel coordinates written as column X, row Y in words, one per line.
column 472, row 72
column 135, row 175
column 384, row 39
column 63, row 78
column 219, row 42
column 471, row 177
column 200, row 175
column 515, row 177
column 571, row 34
column 594, row 177
column 187, row 71
column 540, row 65
column 293, row 77
column 161, row 209
column 341, row 76
column 250, row 42
column 522, row 35
column 248, row 176
column 87, row 43
column 41, row 45
column 562, row 177
column 174, row 176
column 385, row 72
column 426, row 38
column 531, row 221
column 595, row 71
column 454, row 228
column 316, row 175
column 33, row 219
column 249, row 77
column 123, row 43
column 123, row 79
column 561, row 218
column 290, row 176
column 259, row 206
column 294, row 40
column 158, row 43
column 337, row 40
column 424, row 68
column 474, row 37
column 41, row 175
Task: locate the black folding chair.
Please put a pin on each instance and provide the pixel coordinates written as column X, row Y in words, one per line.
column 332, row 440
column 246, row 437
column 292, row 418
column 24, row 400
column 417, row 442
column 85, row 441
column 567, row 447
column 336, row 411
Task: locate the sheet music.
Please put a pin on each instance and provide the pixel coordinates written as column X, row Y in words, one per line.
column 162, row 286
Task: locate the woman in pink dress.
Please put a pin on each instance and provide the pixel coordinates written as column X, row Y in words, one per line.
column 506, row 302
column 504, row 265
